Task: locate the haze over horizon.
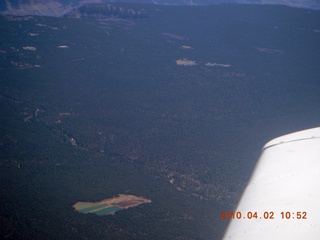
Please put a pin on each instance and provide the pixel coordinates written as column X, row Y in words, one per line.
column 58, row 8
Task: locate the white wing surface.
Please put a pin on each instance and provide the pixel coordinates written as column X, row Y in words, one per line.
column 282, row 198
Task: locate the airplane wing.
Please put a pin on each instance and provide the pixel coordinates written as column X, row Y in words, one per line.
column 282, row 198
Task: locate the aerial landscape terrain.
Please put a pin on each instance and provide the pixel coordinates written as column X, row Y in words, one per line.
column 158, row 111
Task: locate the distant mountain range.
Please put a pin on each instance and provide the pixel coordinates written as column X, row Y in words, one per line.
column 60, row 7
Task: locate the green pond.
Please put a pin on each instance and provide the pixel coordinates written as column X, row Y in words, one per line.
column 101, row 209
column 106, row 211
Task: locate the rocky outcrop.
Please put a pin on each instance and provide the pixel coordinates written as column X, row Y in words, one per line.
column 36, row 7
column 100, row 11
column 58, row 8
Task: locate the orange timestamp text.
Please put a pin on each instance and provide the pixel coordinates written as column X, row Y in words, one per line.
column 263, row 215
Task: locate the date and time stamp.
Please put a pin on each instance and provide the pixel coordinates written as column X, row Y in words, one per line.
column 267, row 215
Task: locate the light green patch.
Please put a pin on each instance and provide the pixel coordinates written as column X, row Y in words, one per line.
column 93, row 208
column 106, row 211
